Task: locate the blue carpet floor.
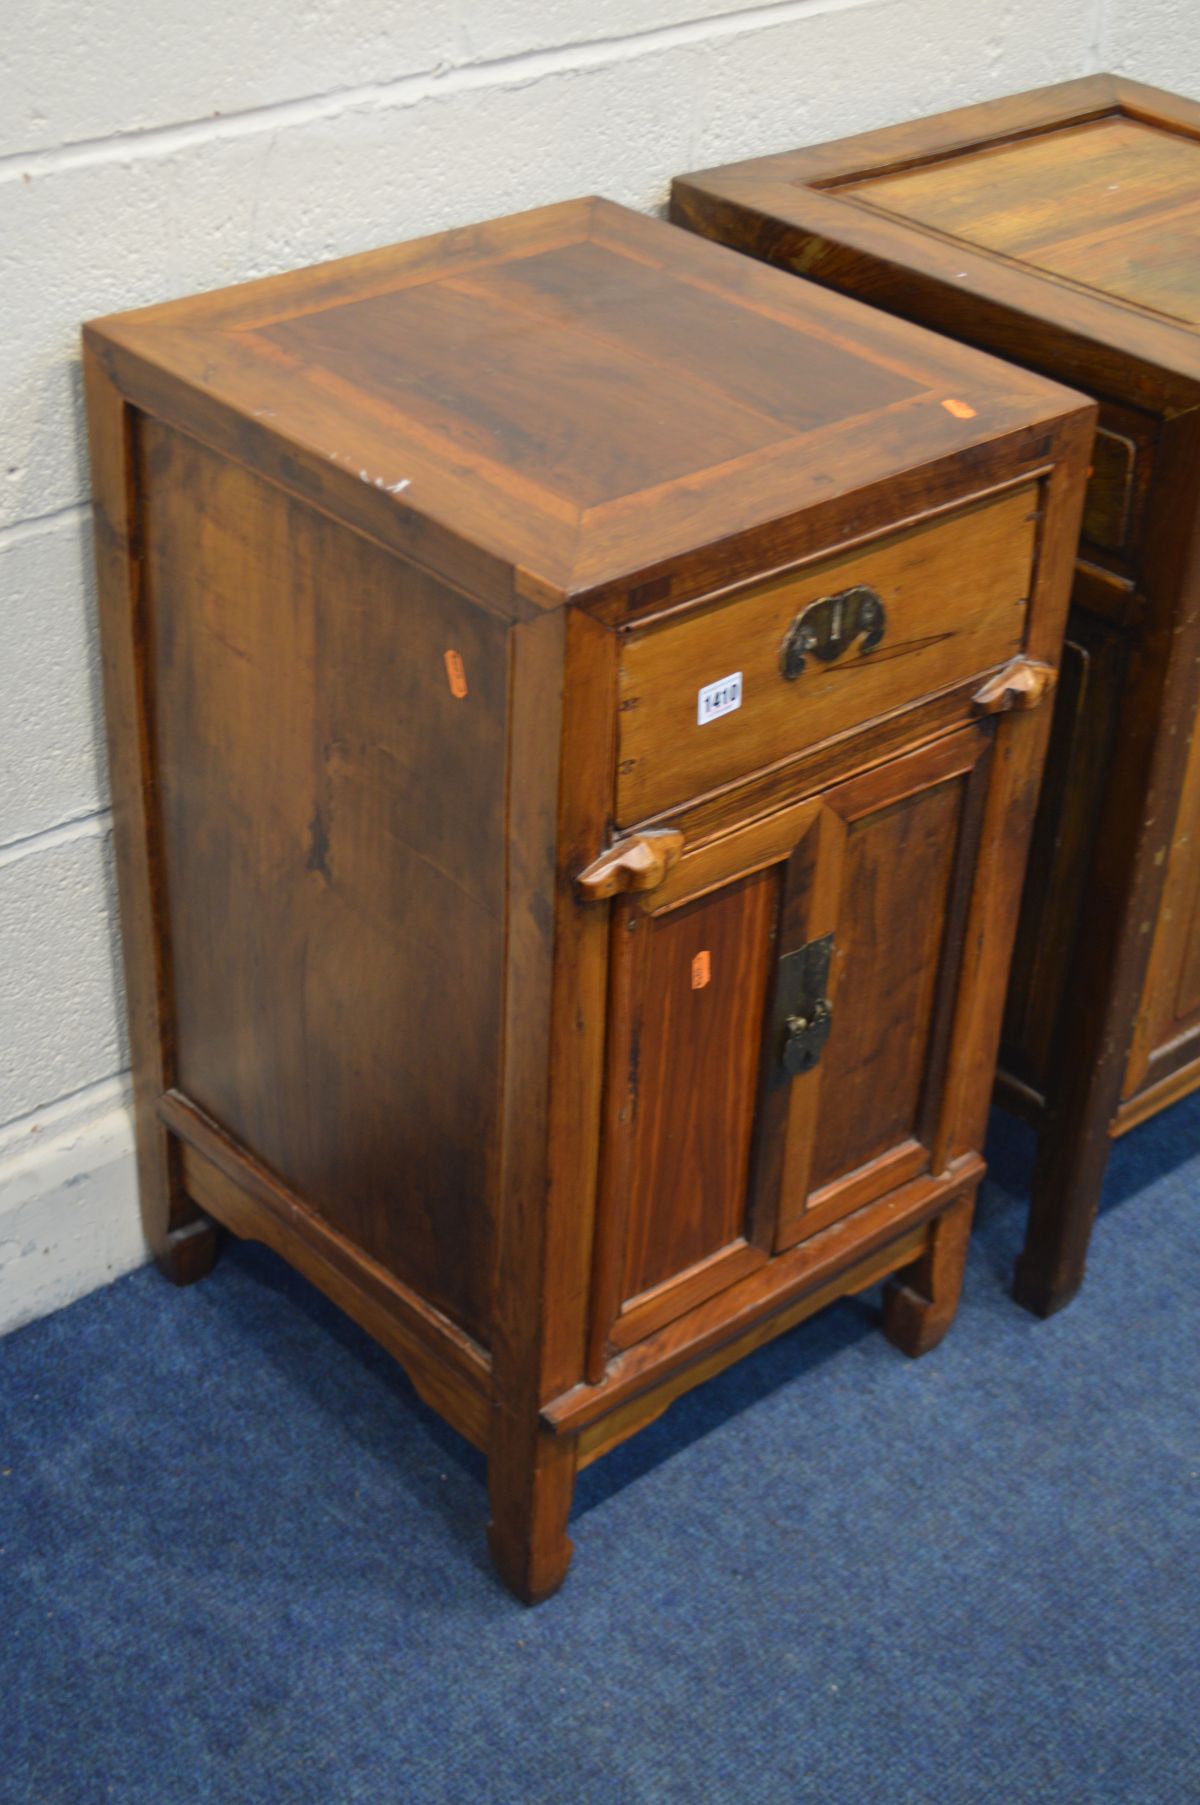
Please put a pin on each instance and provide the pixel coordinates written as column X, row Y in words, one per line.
column 241, row 1563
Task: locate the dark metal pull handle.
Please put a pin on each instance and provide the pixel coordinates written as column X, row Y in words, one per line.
column 830, row 626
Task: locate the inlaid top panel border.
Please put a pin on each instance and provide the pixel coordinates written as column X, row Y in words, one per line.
column 379, row 434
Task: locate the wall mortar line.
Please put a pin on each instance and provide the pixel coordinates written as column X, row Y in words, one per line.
column 101, row 1094
column 80, row 827
column 72, row 513
column 518, row 70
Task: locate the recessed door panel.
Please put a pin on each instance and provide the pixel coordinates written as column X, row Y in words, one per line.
column 1187, row 997
column 687, row 995
column 696, row 1043
column 1167, row 1034
column 898, row 868
column 899, row 863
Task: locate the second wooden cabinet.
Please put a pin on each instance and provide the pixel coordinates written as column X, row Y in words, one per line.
column 1058, row 228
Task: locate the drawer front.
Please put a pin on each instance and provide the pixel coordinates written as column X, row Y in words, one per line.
column 712, row 695
column 1109, row 499
column 1118, row 483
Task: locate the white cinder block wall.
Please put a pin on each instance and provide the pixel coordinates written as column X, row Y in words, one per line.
column 148, row 151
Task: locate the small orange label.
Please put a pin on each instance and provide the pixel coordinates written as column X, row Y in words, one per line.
column 456, row 676
column 701, row 970
column 959, row 409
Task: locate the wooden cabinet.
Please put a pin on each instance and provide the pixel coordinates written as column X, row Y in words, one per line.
column 574, row 707
column 1059, row 228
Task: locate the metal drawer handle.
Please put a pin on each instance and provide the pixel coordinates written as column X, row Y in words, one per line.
column 830, row 626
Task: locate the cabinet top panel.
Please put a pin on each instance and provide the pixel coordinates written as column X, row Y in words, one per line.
column 1112, row 203
column 1074, row 208
column 567, row 399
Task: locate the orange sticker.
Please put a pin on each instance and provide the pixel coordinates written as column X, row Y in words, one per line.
column 701, row 970
column 959, row 409
column 456, row 676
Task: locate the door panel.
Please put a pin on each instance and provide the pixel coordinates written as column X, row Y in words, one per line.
column 696, row 1041
column 898, row 866
column 898, row 881
column 687, row 989
column 1187, row 997
column 1168, row 1023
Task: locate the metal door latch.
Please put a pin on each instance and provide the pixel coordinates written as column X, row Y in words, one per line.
column 806, row 1035
column 803, row 1015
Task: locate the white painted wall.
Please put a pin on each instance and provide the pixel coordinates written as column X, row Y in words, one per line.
column 151, row 150
column 1156, row 41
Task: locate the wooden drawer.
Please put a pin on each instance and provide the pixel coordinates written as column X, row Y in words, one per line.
column 1109, row 499
column 705, row 697
column 1118, row 483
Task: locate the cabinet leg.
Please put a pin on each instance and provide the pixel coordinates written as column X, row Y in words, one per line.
column 531, row 1479
column 182, row 1238
column 1068, row 1177
column 919, row 1303
column 187, row 1253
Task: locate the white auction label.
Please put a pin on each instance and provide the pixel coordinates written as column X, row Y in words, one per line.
column 719, row 698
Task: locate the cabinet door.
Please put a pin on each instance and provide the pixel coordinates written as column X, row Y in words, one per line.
column 896, row 868
column 782, row 1013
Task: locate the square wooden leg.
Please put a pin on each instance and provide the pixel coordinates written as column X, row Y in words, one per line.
column 920, row 1302
column 187, row 1253
column 1068, row 1176
column 531, row 1480
column 183, row 1239
column 1067, row 1180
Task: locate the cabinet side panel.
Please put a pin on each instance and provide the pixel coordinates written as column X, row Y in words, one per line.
column 331, row 786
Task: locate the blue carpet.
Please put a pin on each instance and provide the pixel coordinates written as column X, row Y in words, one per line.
column 241, row 1563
